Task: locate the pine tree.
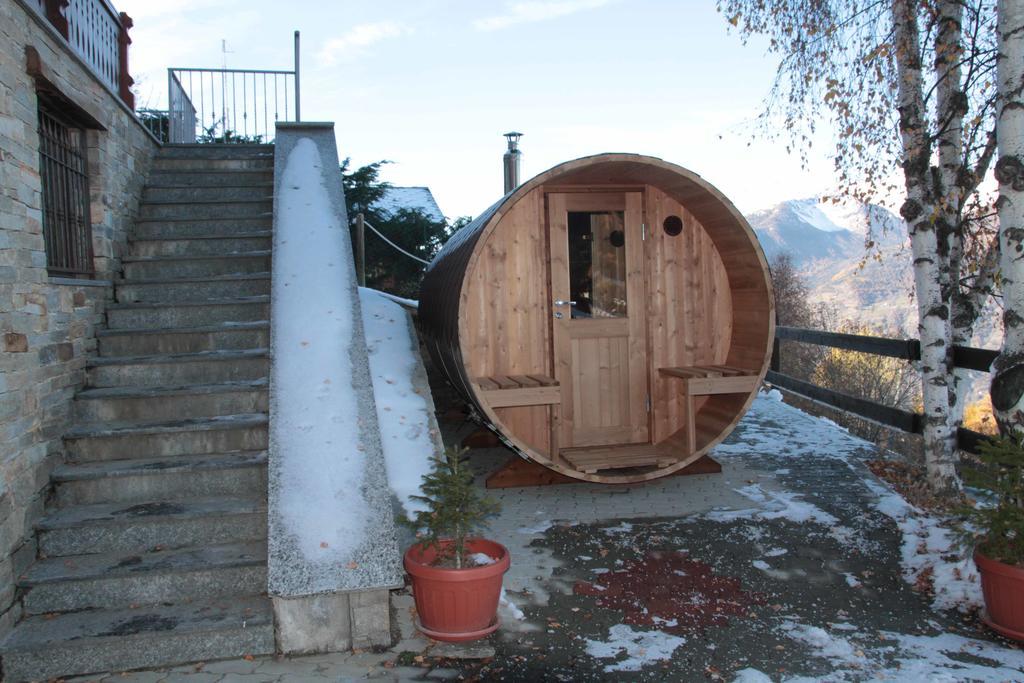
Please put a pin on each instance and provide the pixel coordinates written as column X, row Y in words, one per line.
column 1000, row 521
column 455, row 508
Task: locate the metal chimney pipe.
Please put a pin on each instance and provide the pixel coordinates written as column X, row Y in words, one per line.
column 511, row 161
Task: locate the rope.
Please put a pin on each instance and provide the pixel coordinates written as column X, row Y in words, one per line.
column 393, row 245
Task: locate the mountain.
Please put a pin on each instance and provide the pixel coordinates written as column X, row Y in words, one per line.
column 874, row 287
column 827, row 243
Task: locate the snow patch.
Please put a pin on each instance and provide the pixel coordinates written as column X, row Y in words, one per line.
column 507, row 603
column 538, row 528
column 822, row 643
column 404, row 415
column 749, row 675
column 770, row 425
column 945, row 658
column 640, row 647
column 930, row 548
column 775, row 505
column 482, row 559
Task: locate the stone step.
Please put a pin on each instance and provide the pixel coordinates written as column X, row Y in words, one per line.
column 208, row 151
column 179, row 369
column 96, row 641
column 208, row 178
column 130, row 440
column 207, row 227
column 160, row 404
column 216, row 245
column 112, row 580
column 212, row 164
column 188, row 210
column 188, row 313
column 193, row 289
column 186, row 267
column 219, row 192
column 153, row 341
column 146, row 527
column 239, row 474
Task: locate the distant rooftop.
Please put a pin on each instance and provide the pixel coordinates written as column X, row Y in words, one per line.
column 411, row 198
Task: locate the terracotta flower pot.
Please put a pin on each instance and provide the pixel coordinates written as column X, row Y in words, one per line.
column 457, row 604
column 1003, row 586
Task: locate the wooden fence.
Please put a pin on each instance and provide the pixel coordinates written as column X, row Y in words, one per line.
column 966, row 357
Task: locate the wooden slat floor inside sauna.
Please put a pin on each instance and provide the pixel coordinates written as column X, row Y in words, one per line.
column 591, row 460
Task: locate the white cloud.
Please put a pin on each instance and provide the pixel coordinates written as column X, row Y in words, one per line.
column 535, row 10
column 359, row 37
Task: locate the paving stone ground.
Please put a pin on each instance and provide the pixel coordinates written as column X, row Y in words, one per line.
column 782, row 567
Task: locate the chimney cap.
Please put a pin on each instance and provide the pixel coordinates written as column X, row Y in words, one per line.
column 513, row 140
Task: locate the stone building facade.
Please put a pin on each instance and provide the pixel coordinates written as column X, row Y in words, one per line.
column 47, row 323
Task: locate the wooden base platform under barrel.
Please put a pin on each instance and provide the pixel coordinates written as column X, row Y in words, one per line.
column 611, row 318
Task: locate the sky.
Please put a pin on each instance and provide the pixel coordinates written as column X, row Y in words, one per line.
column 431, row 85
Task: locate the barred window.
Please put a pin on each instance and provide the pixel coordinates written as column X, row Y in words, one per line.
column 63, row 171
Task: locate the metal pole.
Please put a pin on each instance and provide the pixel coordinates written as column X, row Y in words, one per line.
column 171, row 137
column 298, row 116
column 360, row 250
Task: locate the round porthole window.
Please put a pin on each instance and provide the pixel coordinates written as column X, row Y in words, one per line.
column 673, row 225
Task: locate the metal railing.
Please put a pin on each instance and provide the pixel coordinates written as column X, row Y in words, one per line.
column 230, row 105
column 97, row 33
column 966, row 357
column 181, row 113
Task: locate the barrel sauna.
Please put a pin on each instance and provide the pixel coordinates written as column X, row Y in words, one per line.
column 611, row 319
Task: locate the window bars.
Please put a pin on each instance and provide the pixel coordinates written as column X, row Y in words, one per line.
column 67, row 228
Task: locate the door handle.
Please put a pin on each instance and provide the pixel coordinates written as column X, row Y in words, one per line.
column 561, row 302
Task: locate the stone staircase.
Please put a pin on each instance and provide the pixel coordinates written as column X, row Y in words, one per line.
column 153, row 549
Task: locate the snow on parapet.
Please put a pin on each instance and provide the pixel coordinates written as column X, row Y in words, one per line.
column 330, row 517
column 315, row 407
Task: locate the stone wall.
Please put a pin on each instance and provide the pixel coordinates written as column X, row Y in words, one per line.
column 47, row 324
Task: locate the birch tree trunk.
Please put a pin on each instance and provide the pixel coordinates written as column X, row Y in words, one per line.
column 1008, row 380
column 951, row 106
column 930, row 252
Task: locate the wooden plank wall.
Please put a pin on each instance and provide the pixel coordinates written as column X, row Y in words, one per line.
column 690, row 314
column 507, row 312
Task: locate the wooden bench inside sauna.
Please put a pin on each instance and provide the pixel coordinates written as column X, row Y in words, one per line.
column 611, row 318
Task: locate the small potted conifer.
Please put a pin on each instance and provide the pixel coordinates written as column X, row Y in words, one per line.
column 997, row 524
column 456, row 576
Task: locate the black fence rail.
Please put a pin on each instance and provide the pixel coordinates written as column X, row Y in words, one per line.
column 966, row 357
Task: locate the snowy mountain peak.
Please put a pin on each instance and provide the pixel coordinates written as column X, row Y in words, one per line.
column 813, row 230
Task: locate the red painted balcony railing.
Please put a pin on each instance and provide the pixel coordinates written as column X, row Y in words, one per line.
column 98, row 34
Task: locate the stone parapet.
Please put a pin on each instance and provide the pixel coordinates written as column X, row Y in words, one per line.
column 325, row 599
